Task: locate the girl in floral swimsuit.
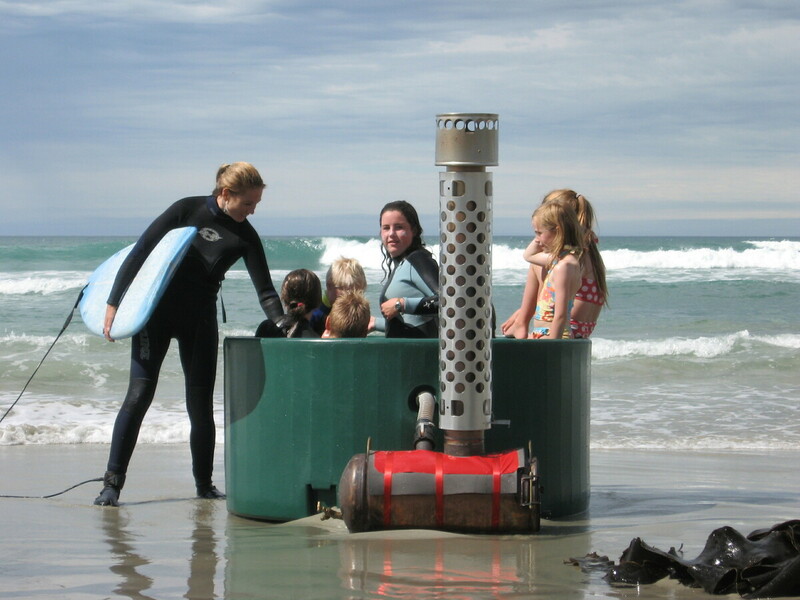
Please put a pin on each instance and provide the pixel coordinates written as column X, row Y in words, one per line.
column 592, row 294
column 559, row 233
column 546, row 307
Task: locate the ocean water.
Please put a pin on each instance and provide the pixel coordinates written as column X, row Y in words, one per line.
column 697, row 350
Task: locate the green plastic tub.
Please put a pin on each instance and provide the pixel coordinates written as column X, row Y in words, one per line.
column 297, row 410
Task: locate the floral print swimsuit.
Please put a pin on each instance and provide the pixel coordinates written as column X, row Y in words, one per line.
column 546, row 306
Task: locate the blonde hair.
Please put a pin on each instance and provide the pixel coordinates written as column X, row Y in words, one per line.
column 583, row 210
column 563, row 222
column 349, row 316
column 585, row 213
column 346, row 274
column 238, row 177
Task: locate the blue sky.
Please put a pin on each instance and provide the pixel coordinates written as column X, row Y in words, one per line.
column 673, row 118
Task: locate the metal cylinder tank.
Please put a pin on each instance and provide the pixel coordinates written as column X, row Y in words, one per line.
column 423, row 489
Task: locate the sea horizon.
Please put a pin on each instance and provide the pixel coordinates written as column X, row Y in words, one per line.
column 694, row 351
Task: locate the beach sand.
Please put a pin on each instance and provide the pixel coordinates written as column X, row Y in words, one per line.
column 163, row 543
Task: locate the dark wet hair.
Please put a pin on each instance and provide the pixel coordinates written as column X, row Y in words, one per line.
column 410, row 214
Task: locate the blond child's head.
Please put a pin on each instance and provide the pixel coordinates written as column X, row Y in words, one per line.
column 582, row 207
column 344, row 274
column 349, row 316
column 561, row 224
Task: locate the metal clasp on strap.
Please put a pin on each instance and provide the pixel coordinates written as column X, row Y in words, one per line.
column 529, row 488
column 529, row 483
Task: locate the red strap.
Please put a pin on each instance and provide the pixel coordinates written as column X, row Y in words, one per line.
column 387, row 489
column 439, row 489
column 495, row 495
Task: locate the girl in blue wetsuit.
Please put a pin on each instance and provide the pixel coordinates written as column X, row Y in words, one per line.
column 410, row 298
column 188, row 313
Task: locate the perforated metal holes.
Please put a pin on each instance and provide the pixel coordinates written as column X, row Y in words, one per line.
column 465, row 296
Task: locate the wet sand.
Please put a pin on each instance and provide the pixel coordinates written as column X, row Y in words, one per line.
column 163, row 543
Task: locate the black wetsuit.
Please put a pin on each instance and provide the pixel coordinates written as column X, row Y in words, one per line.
column 188, row 313
column 286, row 327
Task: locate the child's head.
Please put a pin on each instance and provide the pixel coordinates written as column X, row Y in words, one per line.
column 349, row 316
column 585, row 214
column 583, row 209
column 301, row 293
column 558, row 229
column 344, row 275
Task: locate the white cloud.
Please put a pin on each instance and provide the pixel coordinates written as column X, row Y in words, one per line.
column 219, row 11
column 638, row 104
column 558, row 38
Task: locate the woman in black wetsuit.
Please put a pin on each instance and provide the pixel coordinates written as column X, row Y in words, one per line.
column 188, row 313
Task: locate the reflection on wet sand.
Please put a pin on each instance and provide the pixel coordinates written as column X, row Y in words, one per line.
column 129, row 563
column 305, row 561
column 455, row 568
column 204, row 557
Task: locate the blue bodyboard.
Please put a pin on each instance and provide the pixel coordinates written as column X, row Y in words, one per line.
column 145, row 291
